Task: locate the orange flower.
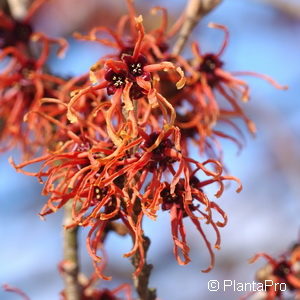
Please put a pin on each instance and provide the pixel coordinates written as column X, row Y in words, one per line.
column 117, row 154
column 278, row 272
column 128, row 80
column 201, row 105
column 156, row 41
column 91, row 292
column 17, row 33
column 23, row 84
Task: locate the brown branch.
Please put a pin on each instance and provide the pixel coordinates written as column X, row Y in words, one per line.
column 195, row 11
column 141, row 281
column 5, row 7
column 72, row 289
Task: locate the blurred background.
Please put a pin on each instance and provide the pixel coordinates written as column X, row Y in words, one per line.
column 264, row 217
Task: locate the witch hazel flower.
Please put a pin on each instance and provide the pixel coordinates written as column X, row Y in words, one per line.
column 127, row 80
column 279, row 275
column 23, row 79
column 179, row 209
column 119, row 173
column 121, row 149
column 209, row 77
column 17, row 33
column 159, row 161
column 104, row 182
column 179, row 194
column 23, row 83
column 214, row 95
column 123, row 41
column 91, row 292
column 75, row 173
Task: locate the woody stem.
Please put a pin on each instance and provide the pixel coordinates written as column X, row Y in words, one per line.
column 142, row 280
column 194, row 12
column 71, row 263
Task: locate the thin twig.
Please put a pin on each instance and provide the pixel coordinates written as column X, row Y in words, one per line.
column 141, row 281
column 72, row 289
column 5, row 7
column 195, row 11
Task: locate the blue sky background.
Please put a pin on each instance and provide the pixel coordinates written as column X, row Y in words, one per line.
column 263, row 217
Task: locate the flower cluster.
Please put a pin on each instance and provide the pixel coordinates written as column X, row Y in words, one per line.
column 118, row 148
column 210, row 98
column 89, row 291
column 284, row 271
column 24, row 81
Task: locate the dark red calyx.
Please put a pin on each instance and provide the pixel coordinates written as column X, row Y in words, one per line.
column 19, row 33
column 116, row 80
column 136, row 66
column 210, row 63
column 282, row 270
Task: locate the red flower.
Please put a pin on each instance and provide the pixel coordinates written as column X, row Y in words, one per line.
column 188, row 200
column 116, row 80
column 23, row 84
column 91, row 292
column 105, row 181
column 17, row 33
column 128, row 80
column 156, row 41
column 280, row 271
column 135, row 66
column 14, row 33
column 117, row 155
column 206, row 82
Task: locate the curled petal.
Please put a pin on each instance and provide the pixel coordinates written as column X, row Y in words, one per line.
column 9, row 288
